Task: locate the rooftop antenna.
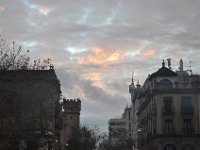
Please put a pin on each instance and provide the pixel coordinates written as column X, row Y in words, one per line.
column 190, row 67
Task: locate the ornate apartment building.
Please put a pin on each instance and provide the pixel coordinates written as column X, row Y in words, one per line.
column 168, row 110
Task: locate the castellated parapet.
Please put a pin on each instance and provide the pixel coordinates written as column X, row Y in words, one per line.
column 72, row 106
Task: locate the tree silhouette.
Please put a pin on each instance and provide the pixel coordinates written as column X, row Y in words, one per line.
column 15, row 58
column 85, row 138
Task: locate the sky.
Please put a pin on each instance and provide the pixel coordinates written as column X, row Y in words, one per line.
column 96, row 45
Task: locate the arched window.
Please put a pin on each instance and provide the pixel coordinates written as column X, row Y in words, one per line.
column 169, row 147
column 166, row 84
column 188, row 147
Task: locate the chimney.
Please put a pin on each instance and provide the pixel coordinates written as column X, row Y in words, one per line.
column 169, row 63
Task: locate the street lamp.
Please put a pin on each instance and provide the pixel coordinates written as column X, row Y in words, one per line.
column 139, row 130
column 143, row 131
column 66, row 146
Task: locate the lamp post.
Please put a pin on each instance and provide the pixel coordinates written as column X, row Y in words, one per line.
column 143, row 131
column 66, row 146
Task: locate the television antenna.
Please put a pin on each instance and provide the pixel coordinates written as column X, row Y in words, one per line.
column 190, row 67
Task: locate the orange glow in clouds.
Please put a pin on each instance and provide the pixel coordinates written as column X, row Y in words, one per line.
column 101, row 57
column 114, row 57
column 2, row 8
column 150, row 52
column 145, row 51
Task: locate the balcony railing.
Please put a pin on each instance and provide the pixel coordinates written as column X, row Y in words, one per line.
column 187, row 130
column 187, row 110
column 168, row 131
column 168, row 111
column 154, row 111
column 149, row 116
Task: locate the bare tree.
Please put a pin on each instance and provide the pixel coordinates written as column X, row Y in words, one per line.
column 15, row 58
column 85, row 138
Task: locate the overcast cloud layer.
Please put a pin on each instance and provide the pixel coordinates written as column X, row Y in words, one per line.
column 95, row 45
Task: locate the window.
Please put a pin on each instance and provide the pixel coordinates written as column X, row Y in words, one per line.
column 168, row 104
column 188, row 147
column 187, row 126
column 169, row 147
column 186, row 105
column 168, row 126
column 166, row 84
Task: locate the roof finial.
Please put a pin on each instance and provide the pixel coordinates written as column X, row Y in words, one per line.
column 163, row 63
column 132, row 77
column 138, row 84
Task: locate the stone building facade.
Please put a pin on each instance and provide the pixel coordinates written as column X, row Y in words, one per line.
column 29, row 101
column 120, row 129
column 70, row 120
column 135, row 91
column 168, row 112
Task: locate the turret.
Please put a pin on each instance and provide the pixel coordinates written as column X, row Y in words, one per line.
column 70, row 119
column 131, row 86
column 181, row 65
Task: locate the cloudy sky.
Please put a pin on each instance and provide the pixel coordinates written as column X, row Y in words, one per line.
column 95, row 45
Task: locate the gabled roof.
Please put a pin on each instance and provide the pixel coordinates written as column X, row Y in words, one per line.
column 163, row 72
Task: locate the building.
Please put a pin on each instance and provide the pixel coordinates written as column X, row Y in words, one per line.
column 70, row 120
column 135, row 91
column 29, row 101
column 120, row 129
column 168, row 111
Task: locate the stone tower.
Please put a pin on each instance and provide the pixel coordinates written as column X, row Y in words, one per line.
column 71, row 119
column 72, row 110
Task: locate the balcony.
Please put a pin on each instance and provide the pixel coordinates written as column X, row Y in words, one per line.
column 188, row 130
column 168, row 110
column 141, row 141
column 149, row 116
column 154, row 111
column 168, row 131
column 187, row 110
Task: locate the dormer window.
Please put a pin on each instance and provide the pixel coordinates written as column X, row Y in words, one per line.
column 166, row 84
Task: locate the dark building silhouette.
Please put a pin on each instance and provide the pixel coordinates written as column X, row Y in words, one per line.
column 29, row 108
